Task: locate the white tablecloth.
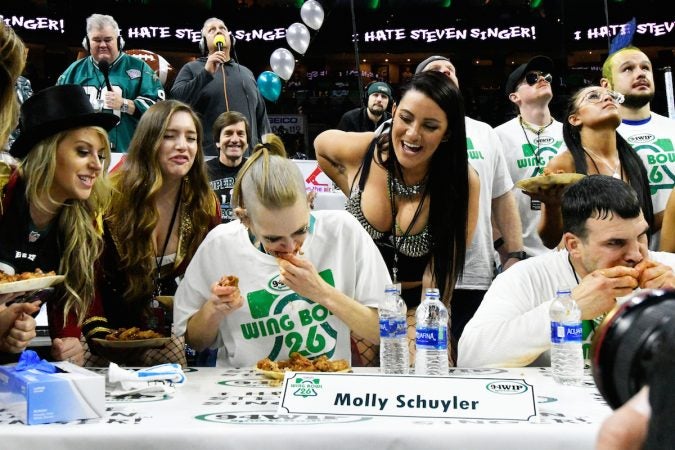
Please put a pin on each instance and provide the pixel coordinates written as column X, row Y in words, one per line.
column 222, row 409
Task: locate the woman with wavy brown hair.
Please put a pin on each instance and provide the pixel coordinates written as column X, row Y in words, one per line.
column 162, row 208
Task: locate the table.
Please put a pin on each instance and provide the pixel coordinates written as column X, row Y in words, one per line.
column 233, row 408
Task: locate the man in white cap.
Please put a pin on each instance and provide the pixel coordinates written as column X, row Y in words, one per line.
column 530, row 139
column 371, row 116
column 486, row 156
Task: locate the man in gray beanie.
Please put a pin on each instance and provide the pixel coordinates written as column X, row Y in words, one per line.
column 496, row 202
column 371, row 116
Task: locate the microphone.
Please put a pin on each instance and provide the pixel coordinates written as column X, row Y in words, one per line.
column 104, row 65
column 219, row 42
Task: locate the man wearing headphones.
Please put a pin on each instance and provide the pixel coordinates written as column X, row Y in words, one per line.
column 371, row 116
column 114, row 80
column 215, row 83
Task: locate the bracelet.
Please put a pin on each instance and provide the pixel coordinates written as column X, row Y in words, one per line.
column 521, row 255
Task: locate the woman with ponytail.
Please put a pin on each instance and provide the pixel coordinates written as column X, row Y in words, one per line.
column 305, row 278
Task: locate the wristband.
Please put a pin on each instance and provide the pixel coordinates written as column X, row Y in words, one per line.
column 521, row 255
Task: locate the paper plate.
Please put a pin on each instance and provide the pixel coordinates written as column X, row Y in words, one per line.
column 534, row 184
column 31, row 284
column 138, row 343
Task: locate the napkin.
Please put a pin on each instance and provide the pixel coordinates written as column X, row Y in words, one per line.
column 158, row 380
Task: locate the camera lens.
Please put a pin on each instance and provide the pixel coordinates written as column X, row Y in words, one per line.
column 625, row 346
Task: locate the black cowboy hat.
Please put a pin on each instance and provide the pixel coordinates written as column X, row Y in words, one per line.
column 56, row 109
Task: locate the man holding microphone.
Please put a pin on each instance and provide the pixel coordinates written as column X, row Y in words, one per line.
column 114, row 80
column 215, row 83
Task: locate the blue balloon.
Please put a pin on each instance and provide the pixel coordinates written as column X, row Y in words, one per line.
column 269, row 85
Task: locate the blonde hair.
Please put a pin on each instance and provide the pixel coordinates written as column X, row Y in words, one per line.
column 77, row 222
column 269, row 179
column 609, row 62
column 12, row 62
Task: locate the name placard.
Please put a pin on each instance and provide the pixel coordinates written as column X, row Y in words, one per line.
column 408, row 396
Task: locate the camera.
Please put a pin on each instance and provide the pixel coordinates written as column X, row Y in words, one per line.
column 630, row 341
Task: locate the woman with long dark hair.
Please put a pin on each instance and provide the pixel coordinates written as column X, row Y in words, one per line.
column 411, row 188
column 594, row 147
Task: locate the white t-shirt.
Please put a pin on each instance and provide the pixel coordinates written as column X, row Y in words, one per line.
column 512, row 326
column 486, row 156
column 526, row 155
column 275, row 321
column 654, row 140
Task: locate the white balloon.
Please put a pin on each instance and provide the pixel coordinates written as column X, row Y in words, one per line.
column 297, row 36
column 312, row 14
column 283, row 63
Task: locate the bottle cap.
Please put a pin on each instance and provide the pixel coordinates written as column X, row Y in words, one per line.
column 432, row 293
column 563, row 291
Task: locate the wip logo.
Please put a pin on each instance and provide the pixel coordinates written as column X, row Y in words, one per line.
column 306, row 386
column 507, row 387
column 641, row 138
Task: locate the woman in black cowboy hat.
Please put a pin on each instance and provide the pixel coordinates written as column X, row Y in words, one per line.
column 51, row 201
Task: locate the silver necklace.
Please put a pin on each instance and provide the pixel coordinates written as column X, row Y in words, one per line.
column 406, row 190
column 615, row 172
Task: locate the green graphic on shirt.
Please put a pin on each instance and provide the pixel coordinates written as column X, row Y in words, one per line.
column 659, row 162
column 471, row 151
column 297, row 323
column 538, row 155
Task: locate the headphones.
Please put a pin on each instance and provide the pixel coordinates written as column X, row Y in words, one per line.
column 87, row 45
column 204, row 48
column 365, row 92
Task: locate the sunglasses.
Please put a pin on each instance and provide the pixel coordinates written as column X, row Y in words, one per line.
column 531, row 78
column 598, row 95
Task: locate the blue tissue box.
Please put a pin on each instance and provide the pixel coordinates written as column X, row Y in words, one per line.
column 36, row 397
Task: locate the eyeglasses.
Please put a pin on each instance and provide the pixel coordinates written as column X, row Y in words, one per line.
column 531, row 78
column 598, row 95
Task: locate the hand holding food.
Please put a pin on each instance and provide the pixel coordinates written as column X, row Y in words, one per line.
column 225, row 297
column 598, row 291
column 301, row 276
column 654, row 275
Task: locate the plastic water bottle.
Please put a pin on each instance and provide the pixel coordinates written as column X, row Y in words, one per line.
column 392, row 310
column 431, row 336
column 567, row 360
